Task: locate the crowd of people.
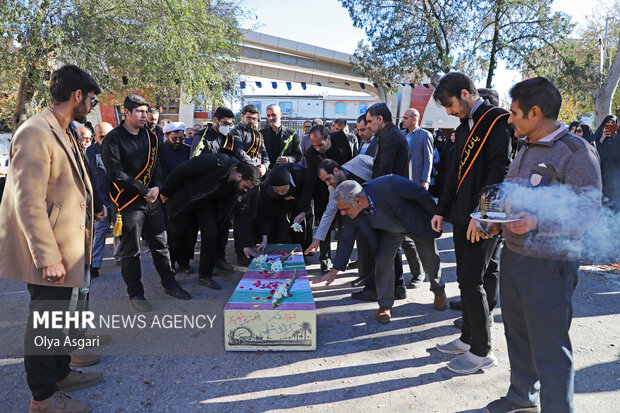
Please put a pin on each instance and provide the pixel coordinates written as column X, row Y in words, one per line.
column 384, row 189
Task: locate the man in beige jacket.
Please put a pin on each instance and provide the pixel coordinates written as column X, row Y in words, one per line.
column 47, row 216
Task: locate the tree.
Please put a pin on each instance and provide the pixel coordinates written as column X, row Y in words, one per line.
column 407, row 39
column 423, row 38
column 157, row 44
column 512, row 30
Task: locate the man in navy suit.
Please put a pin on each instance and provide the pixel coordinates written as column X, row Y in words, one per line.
column 420, row 143
column 386, row 210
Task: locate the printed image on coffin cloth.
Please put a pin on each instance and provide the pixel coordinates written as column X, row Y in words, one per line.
column 543, row 174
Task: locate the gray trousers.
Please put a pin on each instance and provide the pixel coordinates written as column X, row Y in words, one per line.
column 421, row 254
column 536, row 300
column 389, row 244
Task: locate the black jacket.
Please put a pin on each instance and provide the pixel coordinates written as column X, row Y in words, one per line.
column 341, row 151
column 246, row 139
column 402, row 199
column 197, row 180
column 211, row 140
column 489, row 168
column 393, row 153
column 275, row 141
column 270, row 200
column 124, row 156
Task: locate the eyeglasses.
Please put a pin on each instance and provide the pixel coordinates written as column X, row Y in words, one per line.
column 578, row 130
column 93, row 101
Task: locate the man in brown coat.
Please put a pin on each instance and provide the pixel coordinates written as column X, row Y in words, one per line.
column 47, row 218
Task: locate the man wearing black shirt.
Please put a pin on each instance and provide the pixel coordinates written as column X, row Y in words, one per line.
column 276, row 137
column 130, row 157
column 151, row 124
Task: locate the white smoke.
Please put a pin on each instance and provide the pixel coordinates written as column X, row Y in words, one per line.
column 566, row 214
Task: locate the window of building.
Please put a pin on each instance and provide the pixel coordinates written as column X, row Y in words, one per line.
column 286, row 107
column 257, row 104
column 168, row 107
column 363, row 108
column 340, row 108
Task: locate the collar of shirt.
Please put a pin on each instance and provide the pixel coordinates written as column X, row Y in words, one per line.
column 470, row 118
column 560, row 130
column 64, row 123
column 371, row 210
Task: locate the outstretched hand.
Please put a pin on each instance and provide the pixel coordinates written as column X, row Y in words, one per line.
column 328, row 277
column 313, row 247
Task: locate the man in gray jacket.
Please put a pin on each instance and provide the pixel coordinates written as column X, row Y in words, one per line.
column 554, row 188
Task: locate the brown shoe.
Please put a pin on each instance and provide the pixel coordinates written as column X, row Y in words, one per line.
column 59, row 403
column 441, row 302
column 82, row 358
column 78, row 380
column 383, row 315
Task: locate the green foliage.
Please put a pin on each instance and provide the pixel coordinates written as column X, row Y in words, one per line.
column 416, row 39
column 574, row 64
column 162, row 45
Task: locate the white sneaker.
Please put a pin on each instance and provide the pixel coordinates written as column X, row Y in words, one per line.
column 453, row 347
column 469, row 363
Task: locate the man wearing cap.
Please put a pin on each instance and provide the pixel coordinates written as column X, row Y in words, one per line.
column 130, row 155
column 173, row 153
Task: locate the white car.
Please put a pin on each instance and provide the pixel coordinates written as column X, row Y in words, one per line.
column 4, row 153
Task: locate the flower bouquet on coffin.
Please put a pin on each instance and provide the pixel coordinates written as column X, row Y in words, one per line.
column 278, row 266
column 283, row 291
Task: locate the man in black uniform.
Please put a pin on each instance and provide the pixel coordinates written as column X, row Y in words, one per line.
column 207, row 188
column 130, row 157
column 211, row 139
column 245, row 136
column 325, row 145
column 481, row 158
column 151, row 124
column 283, row 144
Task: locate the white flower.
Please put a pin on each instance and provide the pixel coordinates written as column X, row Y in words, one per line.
column 280, row 293
column 260, row 261
column 276, row 266
column 297, row 227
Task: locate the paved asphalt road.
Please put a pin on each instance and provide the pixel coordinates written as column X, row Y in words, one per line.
column 359, row 365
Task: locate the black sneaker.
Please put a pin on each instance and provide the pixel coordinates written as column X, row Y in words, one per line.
column 176, row 291
column 94, row 272
column 140, row 303
column 187, row 269
column 503, row 405
column 209, row 283
column 400, row 292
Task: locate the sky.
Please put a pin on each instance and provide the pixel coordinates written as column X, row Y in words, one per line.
column 327, row 24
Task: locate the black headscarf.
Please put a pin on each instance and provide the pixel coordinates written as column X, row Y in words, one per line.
column 587, row 133
column 599, row 131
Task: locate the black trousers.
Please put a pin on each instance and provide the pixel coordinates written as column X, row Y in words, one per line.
column 45, row 368
column 472, row 263
column 149, row 223
column 213, row 236
column 366, row 264
column 244, row 226
column 182, row 234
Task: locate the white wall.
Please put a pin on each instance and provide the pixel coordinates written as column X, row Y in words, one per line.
column 302, row 107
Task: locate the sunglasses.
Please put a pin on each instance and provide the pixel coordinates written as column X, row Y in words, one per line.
column 578, row 130
column 93, row 101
